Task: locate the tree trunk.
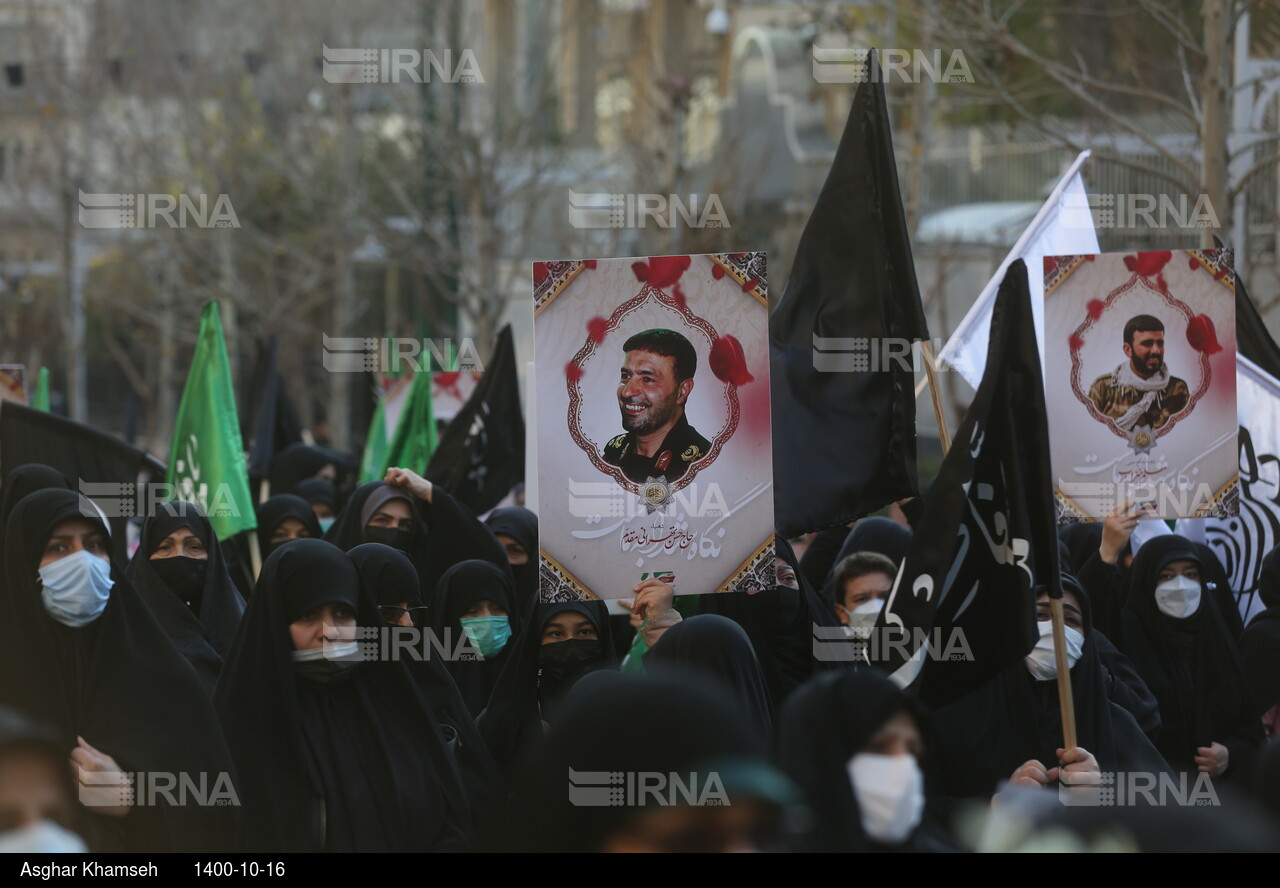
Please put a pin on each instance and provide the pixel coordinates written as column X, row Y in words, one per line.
column 1213, row 121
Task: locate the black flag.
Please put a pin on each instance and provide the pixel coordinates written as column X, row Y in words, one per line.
column 102, row 467
column 480, row 456
column 842, row 377
column 275, row 423
column 963, row 606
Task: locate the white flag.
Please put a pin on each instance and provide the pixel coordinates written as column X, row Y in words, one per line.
column 1242, row 542
column 1063, row 227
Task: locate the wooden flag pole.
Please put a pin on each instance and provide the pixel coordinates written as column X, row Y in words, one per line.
column 255, row 551
column 1065, row 700
column 944, row 436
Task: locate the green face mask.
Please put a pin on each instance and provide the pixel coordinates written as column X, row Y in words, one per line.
column 488, row 634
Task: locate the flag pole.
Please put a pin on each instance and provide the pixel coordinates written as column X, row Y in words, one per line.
column 255, row 551
column 944, row 435
column 1066, row 702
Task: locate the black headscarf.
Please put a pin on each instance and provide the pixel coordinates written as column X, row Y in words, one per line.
column 297, row 463
column 318, row 490
column 883, row 536
column 21, row 482
column 1260, row 643
column 273, row 512
column 462, row 586
column 389, row 577
column 624, row 723
column 521, row 525
column 1190, row 664
column 528, row 690
column 443, row 533
column 987, row 735
column 780, row 623
column 204, row 631
column 827, row 721
column 358, row 763
column 119, row 683
column 711, row 648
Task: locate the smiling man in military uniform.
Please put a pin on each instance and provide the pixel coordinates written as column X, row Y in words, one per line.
column 1140, row 393
column 657, row 377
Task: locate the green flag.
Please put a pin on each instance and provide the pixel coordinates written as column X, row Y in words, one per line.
column 373, row 463
column 206, row 464
column 40, row 397
column 415, row 437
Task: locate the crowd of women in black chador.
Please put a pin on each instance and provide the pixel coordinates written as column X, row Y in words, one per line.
column 390, row 682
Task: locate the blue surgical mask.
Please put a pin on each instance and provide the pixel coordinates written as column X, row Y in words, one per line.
column 489, row 634
column 326, row 523
column 76, row 588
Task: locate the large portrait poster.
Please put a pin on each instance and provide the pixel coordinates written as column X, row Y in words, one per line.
column 13, row 383
column 654, row 442
column 1140, row 383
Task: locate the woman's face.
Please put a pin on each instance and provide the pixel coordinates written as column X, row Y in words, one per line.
column 1180, row 568
column 322, row 510
column 486, row 608
column 394, row 513
column 71, row 536
column 289, row 529
column 568, row 625
column 516, row 553
column 1072, row 615
column 331, row 622
column 181, row 542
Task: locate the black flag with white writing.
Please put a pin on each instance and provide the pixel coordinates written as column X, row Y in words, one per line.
column 963, row 607
column 480, row 456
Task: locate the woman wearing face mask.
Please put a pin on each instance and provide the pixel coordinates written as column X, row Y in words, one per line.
column 282, row 518
column 409, row 513
column 473, row 599
column 560, row 644
column 1260, row 649
column 1011, row 728
column 80, row 651
column 336, row 753
column 1179, row 645
column 323, row 499
column 853, row 742
column 179, row 572
column 388, row 577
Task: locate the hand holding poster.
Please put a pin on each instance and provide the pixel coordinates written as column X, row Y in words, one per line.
column 1140, row 377
column 653, row 386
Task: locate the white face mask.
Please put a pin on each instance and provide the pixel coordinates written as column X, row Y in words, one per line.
column 864, row 616
column 76, row 588
column 330, row 650
column 1042, row 662
column 1179, row 597
column 41, row 837
column 890, row 794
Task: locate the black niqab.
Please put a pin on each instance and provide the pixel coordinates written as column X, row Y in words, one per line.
column 521, row 525
column 203, row 634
